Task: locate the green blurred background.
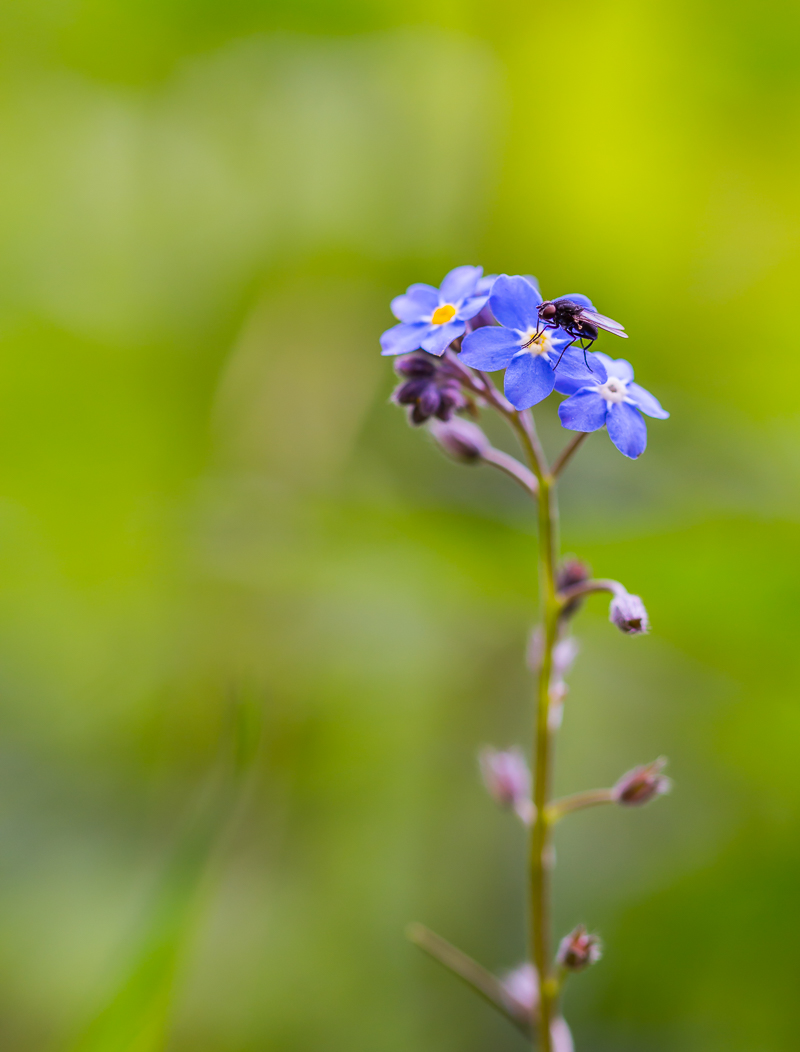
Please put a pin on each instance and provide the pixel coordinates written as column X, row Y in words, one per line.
column 253, row 628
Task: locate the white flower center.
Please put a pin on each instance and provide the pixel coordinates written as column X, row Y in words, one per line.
column 613, row 390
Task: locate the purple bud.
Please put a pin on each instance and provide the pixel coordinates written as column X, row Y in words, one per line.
column 627, row 612
column 451, row 398
column 410, row 391
column 460, row 439
column 429, row 400
column 642, row 784
column 572, row 571
column 578, row 950
column 508, row 780
column 417, row 364
column 521, row 988
column 564, row 654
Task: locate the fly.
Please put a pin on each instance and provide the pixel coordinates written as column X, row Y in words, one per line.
column 579, row 322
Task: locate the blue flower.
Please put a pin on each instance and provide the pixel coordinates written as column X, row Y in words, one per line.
column 615, row 403
column 432, row 318
column 527, row 350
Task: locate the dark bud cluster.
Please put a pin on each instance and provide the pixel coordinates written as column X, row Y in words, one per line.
column 431, row 389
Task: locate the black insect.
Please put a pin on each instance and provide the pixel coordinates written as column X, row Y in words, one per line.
column 579, row 322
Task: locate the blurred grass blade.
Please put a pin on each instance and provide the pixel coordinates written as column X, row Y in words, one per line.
column 136, row 1017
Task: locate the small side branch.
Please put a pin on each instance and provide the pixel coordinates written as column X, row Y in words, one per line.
column 480, row 383
column 514, row 469
column 578, row 801
column 568, row 452
column 566, row 595
column 469, row 971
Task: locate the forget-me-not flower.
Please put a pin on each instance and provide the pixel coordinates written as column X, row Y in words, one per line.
column 616, row 402
column 432, row 318
column 527, row 350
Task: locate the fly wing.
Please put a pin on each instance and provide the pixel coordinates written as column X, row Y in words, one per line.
column 602, row 322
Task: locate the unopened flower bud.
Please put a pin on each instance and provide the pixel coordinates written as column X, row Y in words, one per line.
column 564, row 654
column 417, row 364
column 642, row 784
column 508, row 780
column 572, row 571
column 578, row 950
column 627, row 612
column 451, row 397
column 521, row 989
column 460, row 439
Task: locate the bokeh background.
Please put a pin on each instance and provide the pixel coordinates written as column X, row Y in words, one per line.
column 253, row 628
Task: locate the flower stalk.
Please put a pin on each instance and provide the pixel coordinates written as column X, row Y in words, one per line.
column 450, row 339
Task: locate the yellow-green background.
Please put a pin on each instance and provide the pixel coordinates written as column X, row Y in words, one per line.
column 252, row 628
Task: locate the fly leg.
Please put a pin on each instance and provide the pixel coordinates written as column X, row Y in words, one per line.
column 585, row 359
column 573, row 340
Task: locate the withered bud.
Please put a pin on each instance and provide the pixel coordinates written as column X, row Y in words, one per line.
column 463, row 441
column 627, row 612
column 642, row 784
column 578, row 950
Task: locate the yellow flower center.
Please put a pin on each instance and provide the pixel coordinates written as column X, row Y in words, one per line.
column 443, row 314
column 537, row 344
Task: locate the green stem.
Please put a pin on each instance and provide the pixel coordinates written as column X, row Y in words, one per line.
column 540, row 859
column 578, row 801
column 551, row 604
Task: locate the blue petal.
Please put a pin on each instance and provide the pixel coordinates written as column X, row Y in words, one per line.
column 460, row 283
column 616, row 367
column 440, row 337
column 532, row 281
column 627, row 429
column 401, row 339
column 582, row 301
column 484, row 286
column 529, row 379
column 514, row 301
column 585, row 411
column 470, row 307
column 646, row 402
column 419, row 302
column 572, row 373
column 489, row 348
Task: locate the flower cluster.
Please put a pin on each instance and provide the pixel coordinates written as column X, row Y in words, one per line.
column 502, row 323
